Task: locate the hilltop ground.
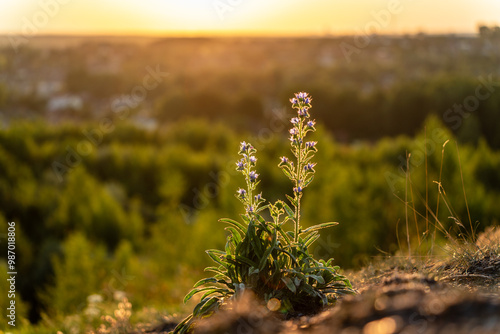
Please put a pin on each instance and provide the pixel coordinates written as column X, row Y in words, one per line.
column 458, row 295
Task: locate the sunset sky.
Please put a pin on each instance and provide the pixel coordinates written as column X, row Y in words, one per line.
column 279, row 17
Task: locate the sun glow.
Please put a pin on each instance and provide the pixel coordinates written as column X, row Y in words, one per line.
column 207, row 17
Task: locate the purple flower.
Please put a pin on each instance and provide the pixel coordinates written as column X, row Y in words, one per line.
column 294, row 131
column 250, row 209
column 240, row 165
column 309, row 167
column 311, row 144
column 295, row 140
column 284, row 160
column 303, row 112
column 253, row 159
column 258, row 197
column 244, row 147
column 253, row 176
column 297, row 189
column 311, row 124
column 241, row 193
column 301, row 95
column 300, row 100
column 295, row 120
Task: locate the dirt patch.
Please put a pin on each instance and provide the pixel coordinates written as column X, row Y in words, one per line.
column 411, row 304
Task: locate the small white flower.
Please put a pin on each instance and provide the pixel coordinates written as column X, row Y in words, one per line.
column 119, row 295
column 94, row 299
column 92, row 312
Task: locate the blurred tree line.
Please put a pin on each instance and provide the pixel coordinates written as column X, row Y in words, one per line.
column 492, row 32
column 388, row 88
column 119, row 218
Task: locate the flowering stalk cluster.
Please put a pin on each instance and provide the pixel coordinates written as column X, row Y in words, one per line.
column 246, row 166
column 301, row 171
column 262, row 256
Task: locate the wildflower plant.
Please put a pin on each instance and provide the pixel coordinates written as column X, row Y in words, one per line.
column 120, row 323
column 268, row 258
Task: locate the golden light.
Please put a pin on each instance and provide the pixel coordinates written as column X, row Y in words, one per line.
column 205, row 17
column 273, row 304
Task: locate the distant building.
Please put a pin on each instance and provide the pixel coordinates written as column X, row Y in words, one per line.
column 65, row 102
column 146, row 123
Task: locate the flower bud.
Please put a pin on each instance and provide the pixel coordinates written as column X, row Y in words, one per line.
column 241, row 193
column 240, row 165
column 253, row 176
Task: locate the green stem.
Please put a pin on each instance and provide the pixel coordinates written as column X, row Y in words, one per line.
column 298, row 176
column 297, row 219
column 249, row 186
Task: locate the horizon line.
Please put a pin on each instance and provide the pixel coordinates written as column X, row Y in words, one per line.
column 222, row 34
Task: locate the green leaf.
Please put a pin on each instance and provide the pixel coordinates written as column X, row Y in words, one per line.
column 235, row 234
column 195, row 291
column 315, row 269
column 319, row 227
column 289, row 283
column 288, row 210
column 228, row 284
column 216, row 251
column 287, row 173
column 222, row 292
column 255, row 241
column 284, row 235
column 214, row 255
column 239, row 260
column 299, row 275
column 263, row 260
column 205, row 281
column 245, row 261
column 308, row 235
column 252, row 270
column 311, row 240
column 228, row 246
column 292, row 200
column 309, row 290
column 245, row 218
column 308, row 180
column 233, row 223
column 327, row 275
column 263, row 224
column 184, row 325
column 289, row 255
column 297, row 281
column 215, row 270
column 204, row 306
column 209, row 305
column 317, row 278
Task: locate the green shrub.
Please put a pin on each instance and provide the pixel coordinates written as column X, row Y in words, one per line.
column 77, row 275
